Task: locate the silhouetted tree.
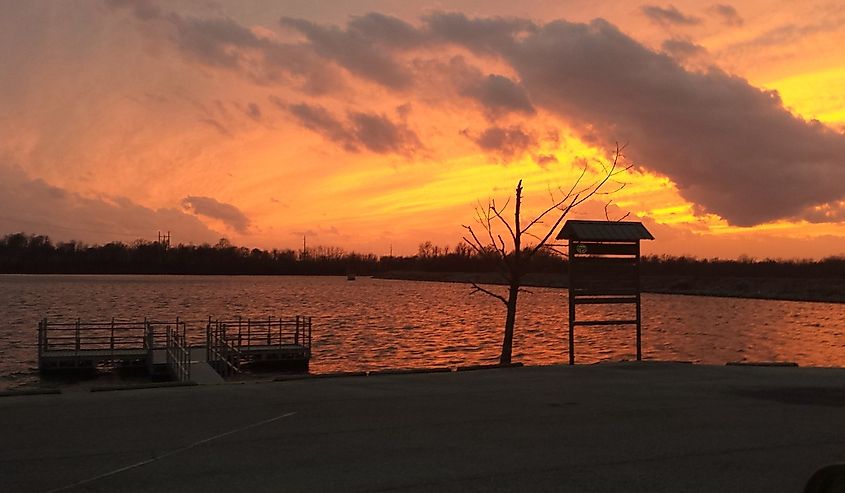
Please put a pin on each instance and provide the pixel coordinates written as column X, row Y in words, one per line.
column 513, row 256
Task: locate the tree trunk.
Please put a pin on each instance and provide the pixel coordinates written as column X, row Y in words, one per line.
column 510, row 321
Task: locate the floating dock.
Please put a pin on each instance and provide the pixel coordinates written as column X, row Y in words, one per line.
column 163, row 348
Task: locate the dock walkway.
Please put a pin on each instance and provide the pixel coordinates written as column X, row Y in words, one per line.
column 201, row 372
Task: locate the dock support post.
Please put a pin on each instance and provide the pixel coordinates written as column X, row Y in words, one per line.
column 571, row 295
column 639, row 310
column 208, row 342
column 42, row 338
column 280, row 331
column 78, row 343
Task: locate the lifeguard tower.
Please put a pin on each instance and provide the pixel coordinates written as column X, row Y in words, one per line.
column 604, row 269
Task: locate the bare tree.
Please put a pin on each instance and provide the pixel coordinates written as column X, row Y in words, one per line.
column 512, row 256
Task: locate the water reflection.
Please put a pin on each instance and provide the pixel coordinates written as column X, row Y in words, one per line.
column 374, row 324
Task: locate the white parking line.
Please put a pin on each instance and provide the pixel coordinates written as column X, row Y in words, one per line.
column 172, row 452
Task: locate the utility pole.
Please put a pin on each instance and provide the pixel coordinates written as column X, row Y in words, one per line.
column 164, row 239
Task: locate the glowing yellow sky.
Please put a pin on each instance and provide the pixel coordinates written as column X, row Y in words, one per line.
column 108, row 111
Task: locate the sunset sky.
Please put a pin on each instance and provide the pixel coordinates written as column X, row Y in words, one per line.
column 375, row 124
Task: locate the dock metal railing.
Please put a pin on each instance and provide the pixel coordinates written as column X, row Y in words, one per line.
column 194, row 334
column 80, row 336
column 270, row 331
column 221, row 354
column 178, row 352
column 75, row 341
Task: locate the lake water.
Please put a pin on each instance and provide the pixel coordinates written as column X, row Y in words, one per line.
column 372, row 324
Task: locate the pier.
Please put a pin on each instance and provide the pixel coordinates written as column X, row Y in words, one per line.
column 165, row 349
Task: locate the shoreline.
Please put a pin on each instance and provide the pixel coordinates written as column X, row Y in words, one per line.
column 758, row 288
column 809, row 290
column 109, row 381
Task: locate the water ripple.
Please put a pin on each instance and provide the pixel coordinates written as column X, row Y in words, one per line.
column 373, row 324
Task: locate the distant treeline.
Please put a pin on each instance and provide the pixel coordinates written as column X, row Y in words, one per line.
column 36, row 254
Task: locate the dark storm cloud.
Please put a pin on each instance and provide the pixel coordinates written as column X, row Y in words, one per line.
column 682, row 49
column 230, row 215
column 506, row 142
column 369, row 45
column 356, row 51
column 496, row 94
column 727, row 14
column 374, row 132
column 489, row 35
column 386, row 31
column 253, row 111
column 217, row 41
column 668, row 16
column 381, row 135
column 322, row 121
column 223, row 43
column 731, row 148
column 285, row 63
column 214, row 41
column 499, row 94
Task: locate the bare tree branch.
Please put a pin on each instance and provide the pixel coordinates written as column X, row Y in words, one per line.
column 578, row 200
column 502, row 247
column 475, row 243
column 478, row 289
column 556, row 203
column 502, row 219
column 532, row 235
column 615, row 190
column 607, row 213
column 489, row 227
